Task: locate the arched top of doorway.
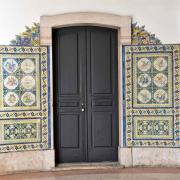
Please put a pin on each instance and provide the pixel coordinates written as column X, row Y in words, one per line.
column 122, row 23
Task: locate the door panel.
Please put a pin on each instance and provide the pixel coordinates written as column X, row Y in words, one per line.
column 71, row 147
column 100, row 61
column 69, row 90
column 102, row 94
column 69, row 131
column 85, row 94
column 102, row 129
column 69, row 74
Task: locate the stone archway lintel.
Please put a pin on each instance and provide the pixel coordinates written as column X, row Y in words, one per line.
column 122, row 23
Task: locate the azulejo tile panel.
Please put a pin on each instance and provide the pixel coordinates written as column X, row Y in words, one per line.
column 153, row 127
column 24, row 98
column 21, row 131
column 151, row 95
column 152, row 80
column 20, row 77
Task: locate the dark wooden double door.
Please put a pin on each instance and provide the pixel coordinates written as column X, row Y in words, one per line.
column 85, row 94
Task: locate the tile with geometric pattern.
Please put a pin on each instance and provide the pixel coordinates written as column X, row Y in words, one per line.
column 20, row 77
column 153, row 127
column 151, row 95
column 152, row 80
column 24, row 98
column 20, row 130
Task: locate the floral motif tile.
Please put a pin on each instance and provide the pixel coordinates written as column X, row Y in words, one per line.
column 24, row 103
column 152, row 80
column 20, row 81
column 151, row 95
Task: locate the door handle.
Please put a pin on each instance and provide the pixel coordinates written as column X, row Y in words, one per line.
column 82, row 107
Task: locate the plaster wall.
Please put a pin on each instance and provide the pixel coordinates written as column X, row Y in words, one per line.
column 161, row 17
column 15, row 14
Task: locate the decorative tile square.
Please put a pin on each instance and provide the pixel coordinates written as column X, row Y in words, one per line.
column 24, row 98
column 153, row 127
column 22, row 131
column 151, row 95
column 20, row 77
column 152, row 80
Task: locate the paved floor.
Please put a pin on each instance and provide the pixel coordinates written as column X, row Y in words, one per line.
column 110, row 174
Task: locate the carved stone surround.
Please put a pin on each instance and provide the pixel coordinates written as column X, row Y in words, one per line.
column 121, row 23
column 129, row 157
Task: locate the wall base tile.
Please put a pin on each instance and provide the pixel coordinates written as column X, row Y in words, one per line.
column 125, row 157
column 149, row 157
column 152, row 157
column 26, row 161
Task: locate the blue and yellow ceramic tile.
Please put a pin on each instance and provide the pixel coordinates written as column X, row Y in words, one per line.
column 31, row 36
column 152, row 80
column 24, row 106
column 141, row 36
column 153, row 127
column 20, row 77
column 151, row 95
column 21, row 131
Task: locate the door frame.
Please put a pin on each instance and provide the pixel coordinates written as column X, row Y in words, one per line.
column 121, row 23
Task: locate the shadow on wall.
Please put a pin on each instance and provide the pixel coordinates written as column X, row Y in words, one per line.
column 31, row 36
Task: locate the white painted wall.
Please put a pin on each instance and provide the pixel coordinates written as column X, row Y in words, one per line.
column 161, row 17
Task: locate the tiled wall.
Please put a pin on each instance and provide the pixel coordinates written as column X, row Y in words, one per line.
column 24, row 103
column 151, row 95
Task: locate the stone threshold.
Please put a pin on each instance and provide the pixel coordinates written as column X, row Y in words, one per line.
column 49, row 173
column 87, row 166
column 74, row 168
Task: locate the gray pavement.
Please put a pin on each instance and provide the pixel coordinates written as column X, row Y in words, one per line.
column 116, row 176
column 100, row 174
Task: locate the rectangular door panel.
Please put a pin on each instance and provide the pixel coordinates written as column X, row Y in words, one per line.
column 85, row 94
column 69, row 134
column 102, row 129
column 100, row 64
column 69, row 89
column 102, row 95
column 71, row 137
column 69, row 74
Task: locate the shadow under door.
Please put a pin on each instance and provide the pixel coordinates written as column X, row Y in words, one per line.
column 85, row 67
